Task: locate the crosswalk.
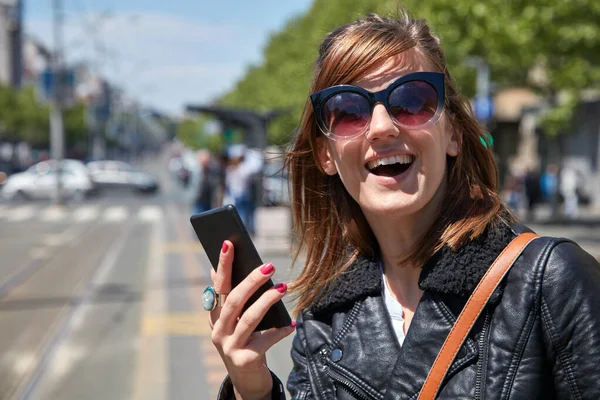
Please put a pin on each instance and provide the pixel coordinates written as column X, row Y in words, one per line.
column 79, row 214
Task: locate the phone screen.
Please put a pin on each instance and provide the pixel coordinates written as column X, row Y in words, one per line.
column 224, row 223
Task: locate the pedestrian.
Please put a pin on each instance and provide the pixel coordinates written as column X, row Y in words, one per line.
column 222, row 197
column 549, row 183
column 533, row 191
column 395, row 203
column 239, row 178
column 207, row 182
column 569, row 183
column 511, row 193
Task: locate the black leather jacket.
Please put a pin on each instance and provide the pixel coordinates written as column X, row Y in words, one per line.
column 538, row 337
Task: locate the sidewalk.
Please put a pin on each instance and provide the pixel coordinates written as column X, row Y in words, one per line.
column 273, row 231
column 589, row 216
column 274, row 227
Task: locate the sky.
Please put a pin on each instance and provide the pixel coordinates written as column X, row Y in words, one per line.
column 166, row 53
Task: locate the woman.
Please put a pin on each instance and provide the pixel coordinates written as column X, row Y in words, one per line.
column 395, row 203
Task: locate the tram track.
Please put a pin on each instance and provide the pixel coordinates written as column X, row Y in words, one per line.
column 52, row 313
column 41, row 257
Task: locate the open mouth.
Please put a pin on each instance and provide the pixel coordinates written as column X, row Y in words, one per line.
column 390, row 166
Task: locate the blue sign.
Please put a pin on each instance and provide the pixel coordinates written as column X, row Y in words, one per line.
column 47, row 81
column 483, row 107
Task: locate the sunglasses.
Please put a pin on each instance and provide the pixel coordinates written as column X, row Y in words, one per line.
column 413, row 101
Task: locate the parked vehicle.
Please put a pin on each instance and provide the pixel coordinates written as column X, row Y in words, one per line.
column 119, row 174
column 40, row 181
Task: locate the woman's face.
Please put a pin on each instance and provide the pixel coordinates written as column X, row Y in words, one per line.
column 401, row 190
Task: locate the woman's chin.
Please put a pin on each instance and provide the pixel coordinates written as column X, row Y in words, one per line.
column 396, row 205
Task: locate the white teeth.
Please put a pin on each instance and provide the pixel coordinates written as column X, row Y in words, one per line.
column 398, row 159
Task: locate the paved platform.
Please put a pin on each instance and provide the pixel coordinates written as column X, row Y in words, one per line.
column 273, row 231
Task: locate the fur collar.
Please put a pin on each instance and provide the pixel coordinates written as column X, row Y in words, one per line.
column 447, row 272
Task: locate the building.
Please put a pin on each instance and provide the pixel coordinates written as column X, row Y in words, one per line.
column 37, row 58
column 521, row 145
column 11, row 33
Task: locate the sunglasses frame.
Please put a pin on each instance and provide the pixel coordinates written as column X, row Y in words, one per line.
column 434, row 79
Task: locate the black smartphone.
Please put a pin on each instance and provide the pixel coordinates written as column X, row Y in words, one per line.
column 224, row 223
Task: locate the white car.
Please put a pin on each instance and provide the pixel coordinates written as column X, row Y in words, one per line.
column 40, row 181
column 111, row 173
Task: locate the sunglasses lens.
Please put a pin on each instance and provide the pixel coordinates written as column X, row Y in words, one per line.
column 413, row 103
column 346, row 114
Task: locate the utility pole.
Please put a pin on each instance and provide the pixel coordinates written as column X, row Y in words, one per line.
column 57, row 134
column 97, row 118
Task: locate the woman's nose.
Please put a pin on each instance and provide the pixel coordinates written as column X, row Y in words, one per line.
column 381, row 125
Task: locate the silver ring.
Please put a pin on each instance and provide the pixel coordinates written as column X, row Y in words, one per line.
column 211, row 299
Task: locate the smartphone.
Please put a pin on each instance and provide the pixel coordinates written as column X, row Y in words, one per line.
column 224, row 223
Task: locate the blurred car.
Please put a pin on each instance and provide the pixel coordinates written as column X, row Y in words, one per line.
column 119, row 174
column 40, row 181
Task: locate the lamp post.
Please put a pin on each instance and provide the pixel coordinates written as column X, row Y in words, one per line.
column 57, row 134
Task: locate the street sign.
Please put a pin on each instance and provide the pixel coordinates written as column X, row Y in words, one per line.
column 483, row 107
column 47, row 83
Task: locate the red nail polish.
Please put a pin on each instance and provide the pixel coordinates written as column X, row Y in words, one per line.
column 281, row 287
column 224, row 248
column 293, row 324
column 267, row 269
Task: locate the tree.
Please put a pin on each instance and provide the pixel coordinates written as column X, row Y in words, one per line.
column 22, row 117
column 560, row 38
column 194, row 134
column 76, row 129
column 550, row 46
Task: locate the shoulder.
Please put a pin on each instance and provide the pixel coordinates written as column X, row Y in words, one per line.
column 568, row 267
column 562, row 264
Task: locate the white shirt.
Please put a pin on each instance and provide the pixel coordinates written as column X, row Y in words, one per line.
column 394, row 309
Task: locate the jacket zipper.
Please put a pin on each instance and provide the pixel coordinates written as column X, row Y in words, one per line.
column 349, row 321
column 480, row 363
column 346, row 383
column 304, row 395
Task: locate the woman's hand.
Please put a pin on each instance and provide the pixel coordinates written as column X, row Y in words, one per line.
column 242, row 349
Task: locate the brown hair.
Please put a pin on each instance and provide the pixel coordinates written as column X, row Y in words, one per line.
column 326, row 218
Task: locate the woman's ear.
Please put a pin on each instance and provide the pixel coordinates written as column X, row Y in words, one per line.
column 452, row 147
column 325, row 156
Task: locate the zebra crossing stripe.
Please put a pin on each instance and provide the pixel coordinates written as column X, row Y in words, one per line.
column 115, row 214
column 86, row 213
column 150, row 213
column 53, row 214
column 21, row 213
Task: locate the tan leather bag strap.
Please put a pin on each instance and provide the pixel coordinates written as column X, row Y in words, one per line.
column 470, row 313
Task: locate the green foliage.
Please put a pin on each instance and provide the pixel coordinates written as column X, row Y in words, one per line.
column 75, row 124
column 22, row 117
column 193, row 134
column 560, row 37
column 558, row 118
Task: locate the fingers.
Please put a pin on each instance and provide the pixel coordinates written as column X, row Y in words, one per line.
column 222, row 283
column 268, row 338
column 250, row 319
column 221, row 278
column 238, row 297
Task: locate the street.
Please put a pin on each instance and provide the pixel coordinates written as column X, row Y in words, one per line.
column 101, row 300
